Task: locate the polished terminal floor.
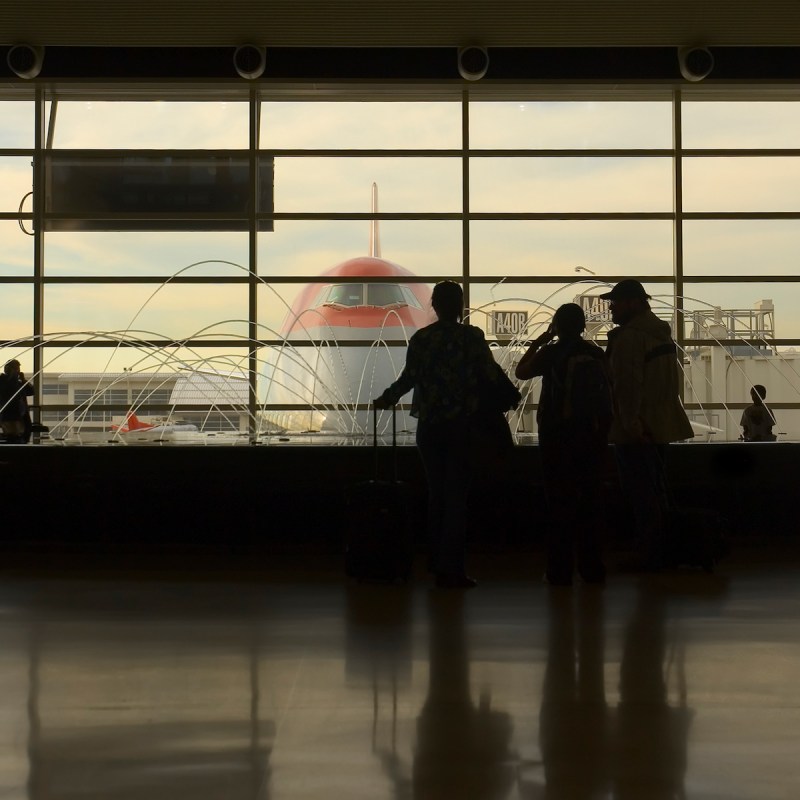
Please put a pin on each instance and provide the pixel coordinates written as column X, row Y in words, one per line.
column 289, row 682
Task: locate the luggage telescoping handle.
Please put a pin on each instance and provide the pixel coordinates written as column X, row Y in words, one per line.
column 375, row 439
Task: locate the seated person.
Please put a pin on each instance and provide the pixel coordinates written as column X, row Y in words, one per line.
column 757, row 419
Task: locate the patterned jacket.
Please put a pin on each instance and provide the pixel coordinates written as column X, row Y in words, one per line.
column 444, row 364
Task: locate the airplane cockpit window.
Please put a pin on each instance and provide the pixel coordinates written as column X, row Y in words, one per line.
column 410, row 297
column 380, row 295
column 385, row 294
column 346, row 294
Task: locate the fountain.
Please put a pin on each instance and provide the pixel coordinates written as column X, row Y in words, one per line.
column 343, row 341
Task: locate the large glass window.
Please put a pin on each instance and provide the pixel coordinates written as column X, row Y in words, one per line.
column 150, row 125
column 309, row 247
column 518, row 248
column 183, row 251
column 570, row 184
column 570, row 125
column 140, row 253
column 411, row 185
column 360, row 125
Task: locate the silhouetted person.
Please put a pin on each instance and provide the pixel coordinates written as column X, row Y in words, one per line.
column 444, row 365
column 573, row 419
column 651, row 735
column 462, row 750
column 758, row 419
column 15, row 417
column 573, row 724
column 648, row 413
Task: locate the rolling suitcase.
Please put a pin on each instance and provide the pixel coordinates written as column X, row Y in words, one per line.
column 379, row 542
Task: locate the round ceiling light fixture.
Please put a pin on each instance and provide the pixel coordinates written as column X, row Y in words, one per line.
column 695, row 63
column 25, row 60
column 473, row 62
column 250, row 61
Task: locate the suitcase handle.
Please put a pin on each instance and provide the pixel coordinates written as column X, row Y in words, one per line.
column 375, row 439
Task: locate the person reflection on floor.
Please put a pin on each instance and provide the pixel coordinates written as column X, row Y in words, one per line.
column 573, row 719
column 462, row 750
column 379, row 657
column 651, row 735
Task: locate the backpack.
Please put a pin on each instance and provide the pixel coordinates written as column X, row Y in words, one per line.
column 581, row 390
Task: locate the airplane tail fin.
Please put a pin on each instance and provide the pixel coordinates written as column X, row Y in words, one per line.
column 135, row 424
column 131, row 423
column 374, row 233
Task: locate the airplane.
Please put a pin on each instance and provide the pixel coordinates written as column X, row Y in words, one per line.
column 333, row 311
column 135, row 429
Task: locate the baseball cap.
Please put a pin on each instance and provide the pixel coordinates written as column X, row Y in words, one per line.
column 627, row 290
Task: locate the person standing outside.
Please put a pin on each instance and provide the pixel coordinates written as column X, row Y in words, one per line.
column 14, row 393
column 445, row 365
column 648, row 413
column 573, row 418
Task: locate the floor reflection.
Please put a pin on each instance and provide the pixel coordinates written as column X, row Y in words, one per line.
column 659, row 688
column 96, row 745
column 378, row 658
column 573, row 730
column 462, row 749
column 651, row 735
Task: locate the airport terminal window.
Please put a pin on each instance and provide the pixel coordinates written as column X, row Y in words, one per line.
column 568, row 125
column 306, row 247
column 155, row 396
column 101, row 396
column 186, row 254
column 16, row 254
column 530, row 200
column 210, row 422
column 55, row 388
column 163, row 124
column 16, row 123
column 17, row 181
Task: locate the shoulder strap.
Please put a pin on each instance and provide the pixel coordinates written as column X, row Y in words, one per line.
column 666, row 349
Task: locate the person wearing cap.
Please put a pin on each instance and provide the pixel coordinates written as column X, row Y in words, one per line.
column 648, row 413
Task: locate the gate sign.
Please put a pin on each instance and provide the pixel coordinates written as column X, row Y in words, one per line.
column 595, row 308
column 509, row 323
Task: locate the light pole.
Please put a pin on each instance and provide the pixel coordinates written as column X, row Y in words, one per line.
column 585, row 269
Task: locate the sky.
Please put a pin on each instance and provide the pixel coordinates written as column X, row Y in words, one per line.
column 502, row 249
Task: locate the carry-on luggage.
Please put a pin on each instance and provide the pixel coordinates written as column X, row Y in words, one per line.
column 379, row 541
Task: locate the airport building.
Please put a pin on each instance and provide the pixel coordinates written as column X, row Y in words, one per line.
column 220, row 224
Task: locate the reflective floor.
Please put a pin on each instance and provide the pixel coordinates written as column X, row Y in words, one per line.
column 295, row 684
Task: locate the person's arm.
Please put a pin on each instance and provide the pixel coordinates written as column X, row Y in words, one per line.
column 744, row 424
column 534, row 361
column 404, row 383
